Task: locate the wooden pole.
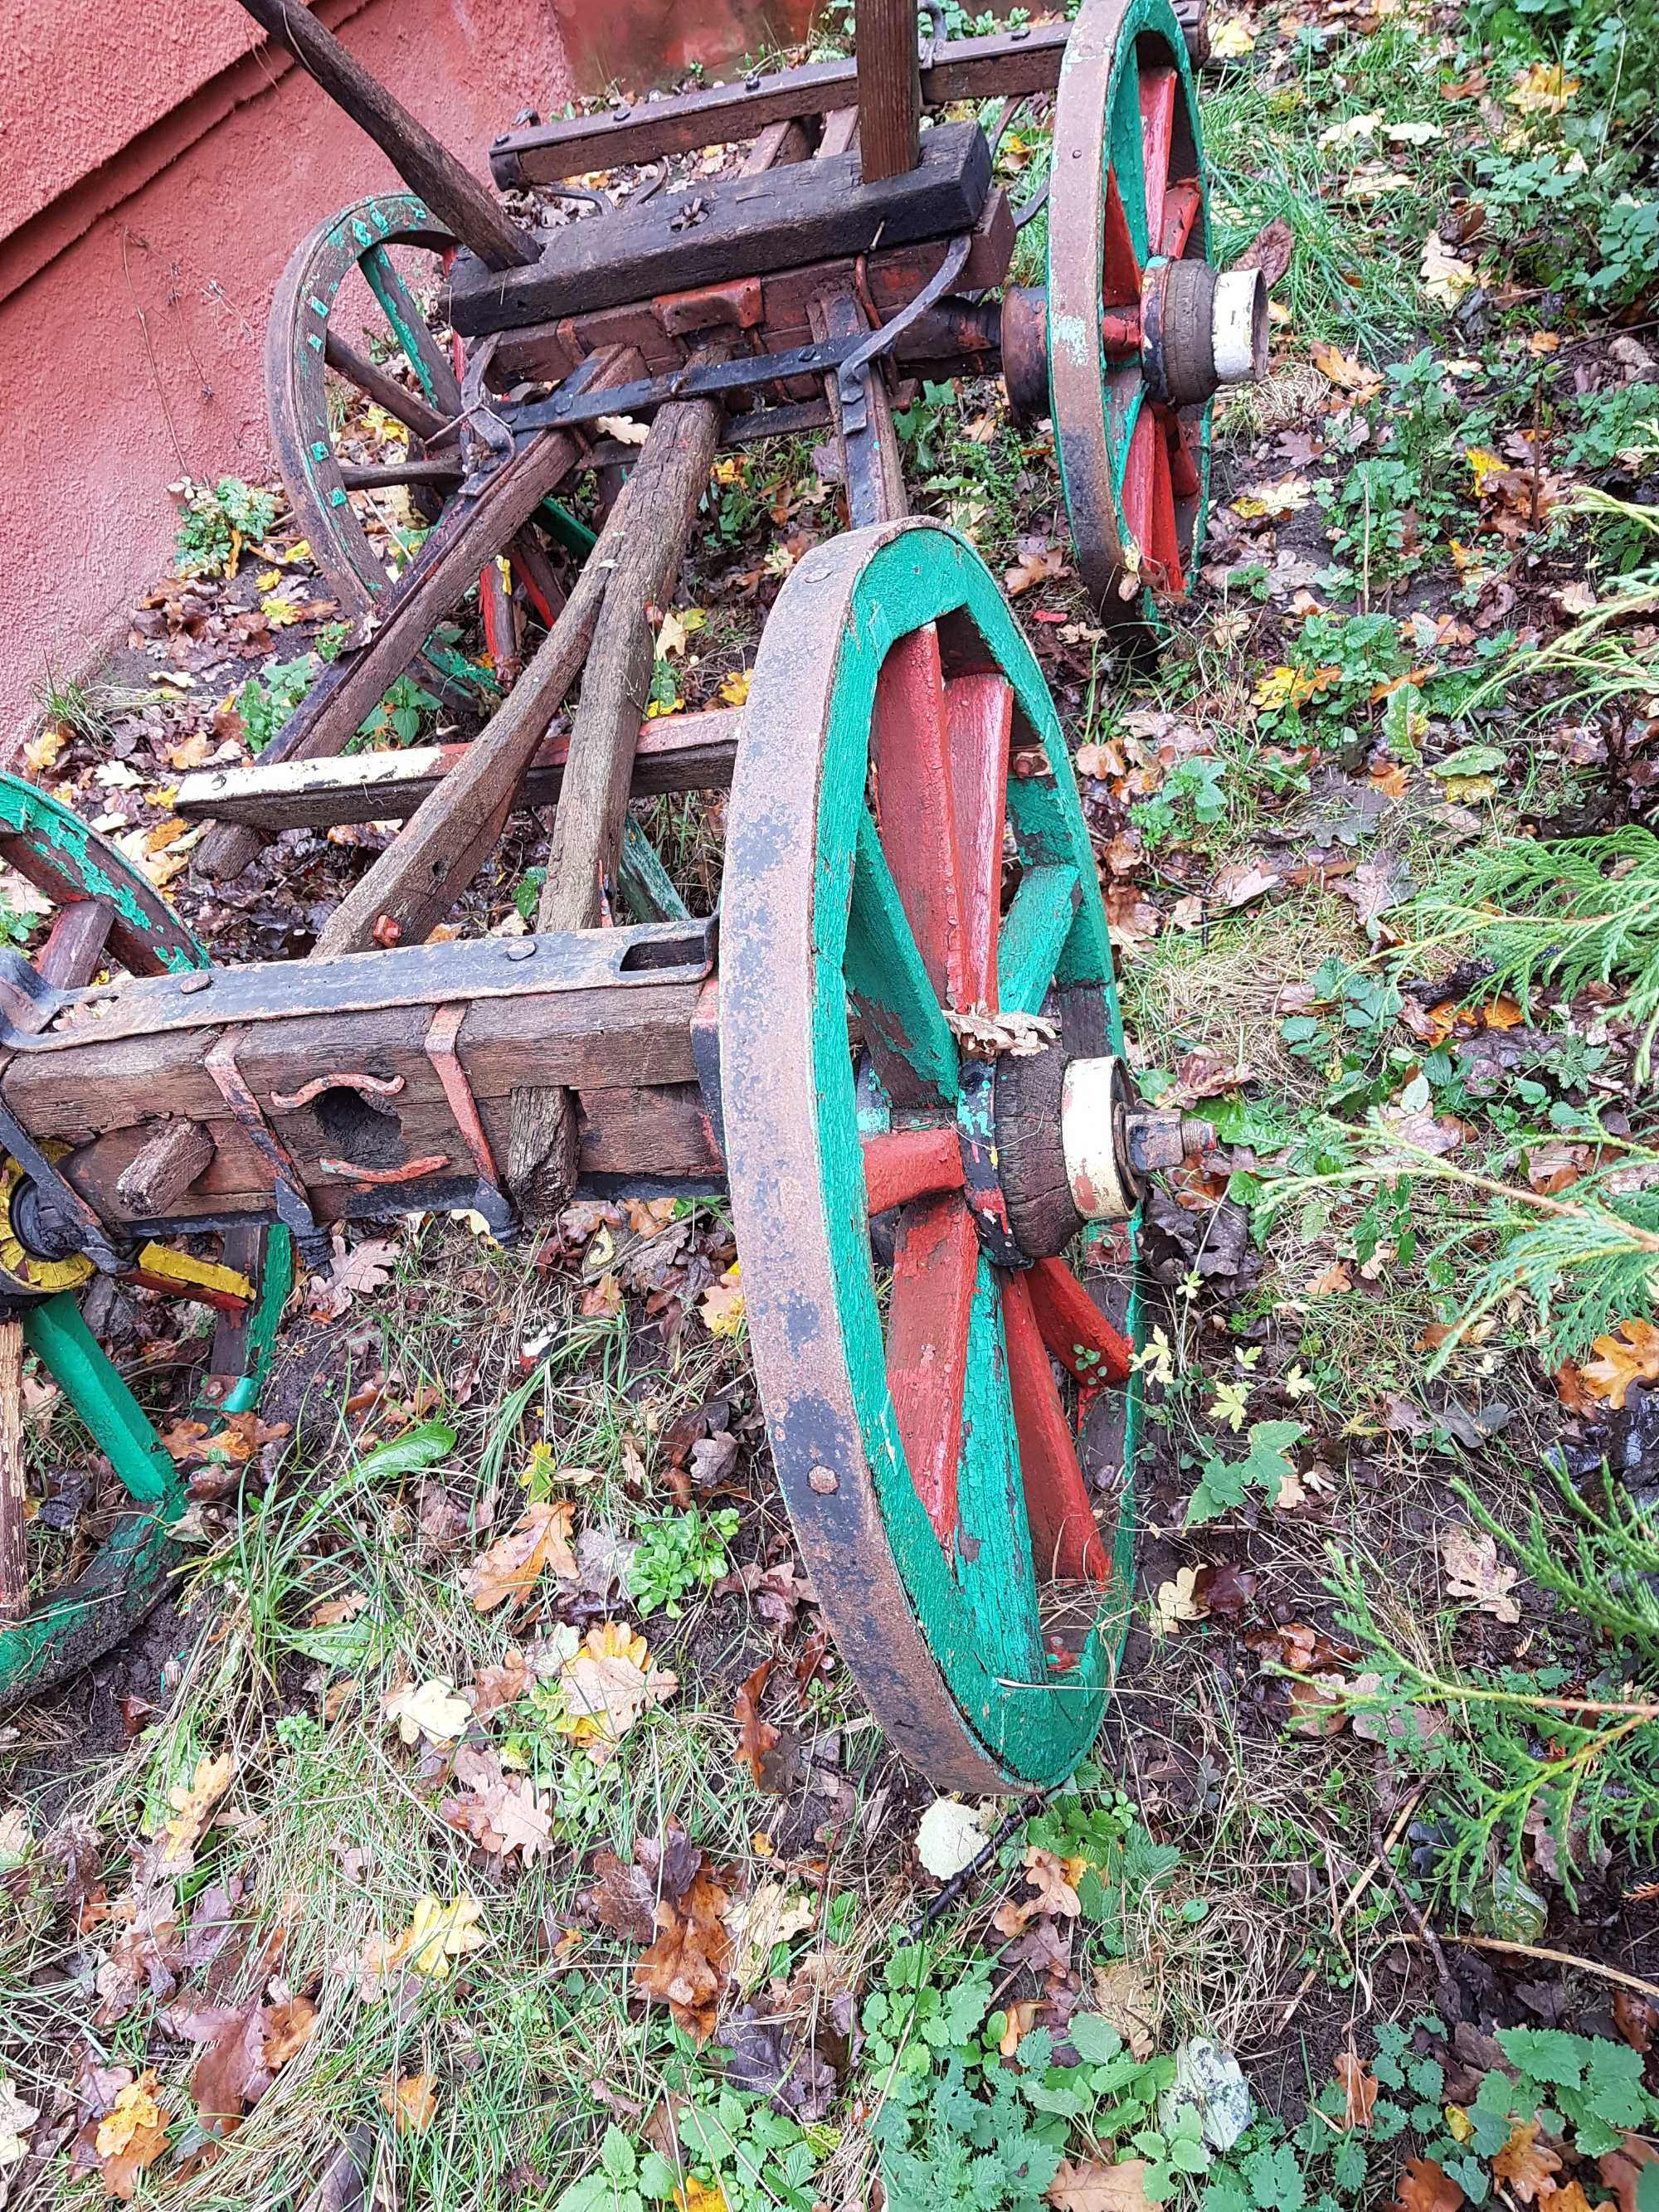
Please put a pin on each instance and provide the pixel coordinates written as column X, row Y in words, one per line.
column 890, row 87
column 420, row 874
column 14, row 1531
column 454, row 195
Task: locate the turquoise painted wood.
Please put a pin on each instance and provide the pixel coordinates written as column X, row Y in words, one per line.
column 884, row 976
column 1034, row 935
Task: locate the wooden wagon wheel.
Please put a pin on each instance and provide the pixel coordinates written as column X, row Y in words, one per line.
column 968, row 1530
column 1141, row 331
column 108, row 913
column 343, row 294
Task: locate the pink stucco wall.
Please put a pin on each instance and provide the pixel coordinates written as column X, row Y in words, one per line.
column 158, row 163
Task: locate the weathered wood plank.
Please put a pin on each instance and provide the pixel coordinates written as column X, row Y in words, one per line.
column 454, row 195
column 1011, row 63
column 681, row 752
column 785, row 218
column 890, row 88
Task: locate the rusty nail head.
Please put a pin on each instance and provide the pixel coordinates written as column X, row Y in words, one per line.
column 823, row 1479
column 523, row 948
column 199, row 981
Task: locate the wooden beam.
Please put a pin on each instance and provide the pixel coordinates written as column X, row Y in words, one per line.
column 454, row 195
column 1012, row 63
column 789, row 217
column 678, row 752
column 890, row 88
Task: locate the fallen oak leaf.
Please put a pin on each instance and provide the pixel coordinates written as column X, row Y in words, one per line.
column 410, row 2102
column 14, row 2117
column 1525, row 2163
column 1359, row 2089
column 1426, row 2186
column 1474, row 1573
column 538, row 1542
column 193, row 1803
column 433, row 1711
column 756, row 1735
column 132, row 2135
column 686, row 1967
column 608, row 1682
column 1091, row 2185
column 437, row 1935
column 1630, row 1354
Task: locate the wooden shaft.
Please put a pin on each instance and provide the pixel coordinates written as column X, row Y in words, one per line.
column 418, row 877
column 890, row 87
column 405, row 407
column 164, row 1167
column 14, row 1528
column 471, row 532
column 454, row 195
column 663, row 493
column 71, row 956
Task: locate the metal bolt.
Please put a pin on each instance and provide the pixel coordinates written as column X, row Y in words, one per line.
column 621, row 112
column 823, row 1479
column 201, row 981
column 521, row 948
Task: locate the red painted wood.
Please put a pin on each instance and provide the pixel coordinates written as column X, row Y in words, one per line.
column 1120, row 272
column 1066, row 1542
column 980, row 714
column 900, row 1164
column 1073, row 1326
column 1180, row 213
column 1165, row 548
column 909, row 746
column 1185, row 475
column 1157, row 100
column 1140, row 466
column 934, row 1272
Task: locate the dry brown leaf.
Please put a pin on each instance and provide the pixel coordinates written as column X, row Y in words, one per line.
column 1124, row 1996
column 1038, row 563
column 288, row 2029
column 192, row 1808
column 1630, row 1355
column 1316, row 1705
column 686, row 1967
column 608, row 1683
column 1474, row 1573
column 353, row 1275
column 1345, row 371
column 538, row 1542
column 1358, row 2089
column 1621, row 2169
column 1525, row 2163
column 410, row 2101
column 756, row 1736
column 1426, row 2186
column 1091, row 2185
column 131, row 2136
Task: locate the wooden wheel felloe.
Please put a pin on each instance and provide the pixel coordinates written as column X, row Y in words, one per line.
column 108, row 913
column 1141, row 331
column 975, row 1582
column 348, row 293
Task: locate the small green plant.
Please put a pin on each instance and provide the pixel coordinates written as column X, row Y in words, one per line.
column 215, row 522
column 1515, row 1760
column 680, row 1553
column 1616, row 429
column 265, row 700
column 1223, row 1483
column 68, row 704
column 740, row 2151
column 1191, row 799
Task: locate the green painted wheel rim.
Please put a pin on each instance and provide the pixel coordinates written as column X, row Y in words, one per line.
column 1095, row 403
column 920, row 1628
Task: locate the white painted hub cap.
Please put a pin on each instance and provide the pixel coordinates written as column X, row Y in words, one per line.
column 1090, row 1098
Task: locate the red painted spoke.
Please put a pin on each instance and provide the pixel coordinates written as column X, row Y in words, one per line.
column 934, row 1274
column 910, row 745
column 1157, row 99
column 980, row 713
column 1139, row 470
column 1180, row 213
column 1186, row 473
column 1120, row 272
column 1164, row 550
column 900, row 1164
column 1064, row 1541
column 497, row 608
column 1073, row 1327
